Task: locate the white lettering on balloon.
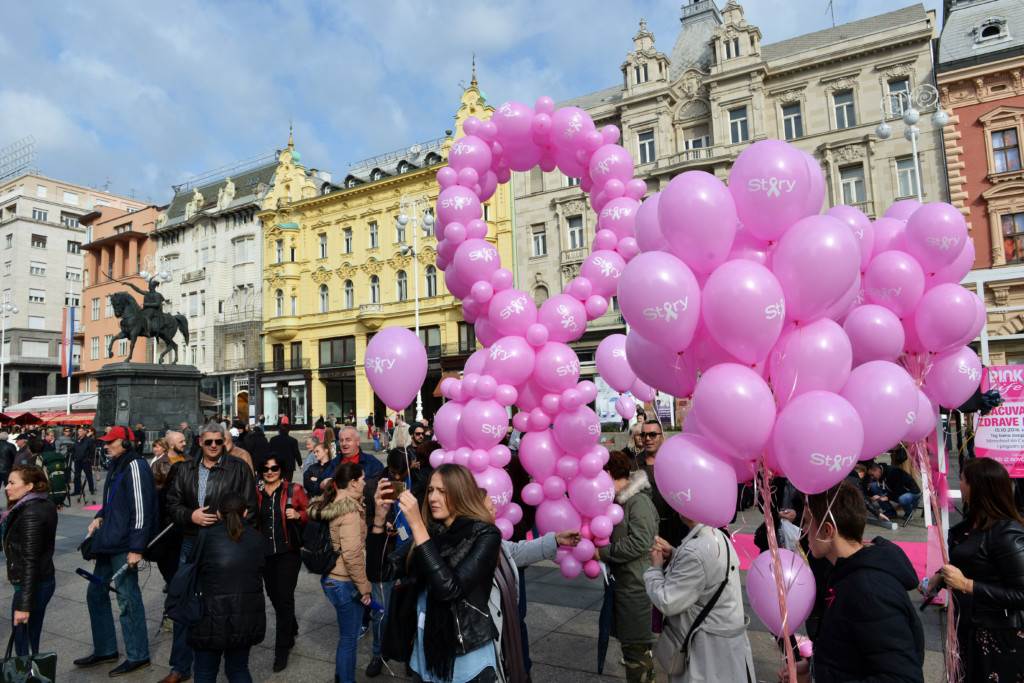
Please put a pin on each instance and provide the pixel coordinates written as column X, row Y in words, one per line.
column 380, row 365
column 517, row 305
column 508, row 110
column 457, row 202
column 500, row 353
column 943, row 243
column 616, row 212
column 570, row 368
column 606, row 496
column 485, row 255
column 574, row 126
column 683, row 496
column 668, row 311
column 835, row 463
column 618, row 353
column 460, row 148
column 776, row 310
column 501, row 499
column 493, row 429
column 568, row 319
column 911, row 417
column 974, row 375
column 605, row 165
column 772, row 186
column 608, row 268
column 593, row 429
column 885, row 292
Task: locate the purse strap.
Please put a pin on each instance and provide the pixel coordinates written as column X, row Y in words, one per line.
column 711, row 603
column 10, row 642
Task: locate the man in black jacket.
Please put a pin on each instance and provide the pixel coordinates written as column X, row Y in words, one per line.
column 192, row 499
column 285, row 448
column 869, row 629
column 7, row 451
column 889, row 485
column 82, row 454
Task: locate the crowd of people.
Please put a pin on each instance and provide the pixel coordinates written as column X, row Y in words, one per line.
column 412, row 554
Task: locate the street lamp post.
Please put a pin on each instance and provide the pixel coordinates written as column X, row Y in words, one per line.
column 6, row 308
column 911, row 104
column 410, row 213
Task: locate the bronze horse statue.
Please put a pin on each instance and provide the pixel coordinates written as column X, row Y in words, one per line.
column 133, row 325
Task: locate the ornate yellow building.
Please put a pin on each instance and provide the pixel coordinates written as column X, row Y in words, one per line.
column 338, row 266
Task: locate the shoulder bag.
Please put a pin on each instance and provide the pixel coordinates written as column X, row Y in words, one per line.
column 33, row 668
column 184, row 602
column 672, row 649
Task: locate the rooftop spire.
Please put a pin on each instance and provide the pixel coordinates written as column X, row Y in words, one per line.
column 473, row 79
column 291, row 136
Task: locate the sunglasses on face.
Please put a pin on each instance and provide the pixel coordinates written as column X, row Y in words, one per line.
column 270, row 468
column 213, row 442
column 650, row 435
column 417, row 433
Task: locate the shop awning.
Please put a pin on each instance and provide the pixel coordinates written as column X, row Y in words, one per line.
column 444, row 376
column 25, row 418
column 5, row 419
column 62, row 419
column 208, row 401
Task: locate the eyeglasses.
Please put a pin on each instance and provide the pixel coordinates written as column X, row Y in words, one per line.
column 650, row 435
column 417, row 433
column 213, row 442
column 270, row 468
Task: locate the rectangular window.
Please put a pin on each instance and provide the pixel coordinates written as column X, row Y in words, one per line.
column 37, row 322
column 852, row 180
column 899, row 96
column 575, row 230
column 35, row 349
column 338, row 351
column 645, row 141
column 906, row 172
column 193, row 304
column 122, row 347
column 640, row 74
column 73, row 275
column 8, row 240
column 1005, row 150
column 846, row 117
column 572, row 182
column 431, row 338
column 74, row 247
column 37, row 296
column 296, row 354
column 7, row 268
column 36, row 268
column 323, row 246
column 108, row 307
column 540, row 240
column 295, row 305
column 347, row 234
column 94, row 348
column 467, row 338
column 39, row 214
column 68, row 220
column 738, row 130
column 373, row 234
column 39, row 241
column 792, row 121
column 70, row 198
column 95, row 308
column 107, row 351
column 279, row 251
column 41, row 191
column 400, row 231
column 243, row 248
column 1013, row 237
column 73, row 300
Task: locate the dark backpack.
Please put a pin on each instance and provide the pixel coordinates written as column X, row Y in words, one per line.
column 184, row 603
column 318, row 553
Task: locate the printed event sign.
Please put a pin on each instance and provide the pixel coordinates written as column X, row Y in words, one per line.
column 1000, row 434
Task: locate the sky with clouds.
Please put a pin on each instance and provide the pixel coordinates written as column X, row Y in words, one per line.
column 143, row 94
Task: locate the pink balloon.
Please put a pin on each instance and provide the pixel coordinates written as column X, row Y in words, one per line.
column 698, row 218
column 567, row 467
column 615, row 513
column 854, row 297
column 479, row 460
column 894, row 280
column 396, row 365
column 514, row 121
column 484, row 423
column 557, row 367
column 746, row 246
column 584, row 551
column 903, row 209
column 592, row 569
column 470, row 152
column 953, row 377
column 565, row 318
column 530, row 395
column 569, row 128
column 743, row 308
column 642, row 390
column 476, row 259
column 511, row 312
column 625, row 406
column 745, row 470
column 476, row 362
column 817, row 440
column 488, row 185
column 945, row 318
column 603, row 269
column 875, row 334
column 510, row 360
column 814, row 357
column 769, row 182
column 936, row 234
column 539, row 454
column 660, row 297
column 499, row 456
column 610, row 162
column 921, row 423
column 763, row 592
column 570, row 567
column 883, row 395
column 446, row 424
column 611, row 362
column 533, row 494
column 577, row 431
column 591, row 495
column 889, row 234
column 554, row 516
column 648, row 229
column 671, row 372
column 861, row 227
column 816, row 185
column 955, row 271
column 698, row 483
column 728, row 395
column 505, row 526
column 457, row 204
column 554, row 488
column 619, row 216
column 816, row 262
column 588, row 390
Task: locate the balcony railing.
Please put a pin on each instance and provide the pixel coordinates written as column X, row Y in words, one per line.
column 570, row 256
column 285, row 364
column 193, row 275
column 371, row 309
column 455, row 350
column 345, row 363
column 692, row 155
column 867, row 208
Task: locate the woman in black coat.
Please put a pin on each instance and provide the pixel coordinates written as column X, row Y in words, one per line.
column 438, row 615
column 29, row 529
column 234, row 612
column 986, row 575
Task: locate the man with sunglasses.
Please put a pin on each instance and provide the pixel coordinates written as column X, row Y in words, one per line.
column 670, row 526
column 192, row 500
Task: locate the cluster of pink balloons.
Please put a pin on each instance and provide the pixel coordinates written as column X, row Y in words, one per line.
column 526, row 361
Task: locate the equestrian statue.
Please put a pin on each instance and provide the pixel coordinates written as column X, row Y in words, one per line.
column 148, row 321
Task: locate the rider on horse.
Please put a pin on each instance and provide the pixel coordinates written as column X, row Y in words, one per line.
column 152, row 304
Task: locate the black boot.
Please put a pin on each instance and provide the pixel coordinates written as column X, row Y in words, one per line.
column 374, row 668
column 280, row 659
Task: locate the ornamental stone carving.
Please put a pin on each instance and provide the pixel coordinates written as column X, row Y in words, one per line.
column 372, row 267
column 321, row 275
column 346, row 271
column 400, row 261
column 570, row 271
column 275, row 279
column 848, row 153
column 695, row 109
column 427, row 256
column 899, row 70
column 844, row 83
column 791, row 96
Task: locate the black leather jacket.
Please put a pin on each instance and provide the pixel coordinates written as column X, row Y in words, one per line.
column 229, row 474
column 28, row 544
column 466, row 588
column 994, row 560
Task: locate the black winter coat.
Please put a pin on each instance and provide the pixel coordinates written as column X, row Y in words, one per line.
column 869, row 630
column 898, row 481
column 229, row 474
column 994, row 560
column 84, row 450
column 7, row 451
column 466, row 588
column 286, row 449
column 231, row 581
column 28, row 544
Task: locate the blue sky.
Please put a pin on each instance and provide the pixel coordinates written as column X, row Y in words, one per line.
column 145, row 94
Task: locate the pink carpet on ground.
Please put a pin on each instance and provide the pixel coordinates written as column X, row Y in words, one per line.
column 91, row 507
column 917, row 552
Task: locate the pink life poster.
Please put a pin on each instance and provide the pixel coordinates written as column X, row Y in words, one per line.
column 1000, row 434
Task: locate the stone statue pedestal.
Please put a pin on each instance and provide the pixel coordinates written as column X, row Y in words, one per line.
column 155, row 395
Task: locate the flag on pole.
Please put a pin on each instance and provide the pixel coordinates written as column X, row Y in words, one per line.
column 67, row 342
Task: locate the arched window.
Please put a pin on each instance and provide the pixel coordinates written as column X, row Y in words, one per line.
column 377, row 174
column 990, row 31
column 402, row 285
column 350, row 294
column 403, row 167
column 431, row 281
column 374, row 289
column 279, row 302
column 540, row 294
column 325, row 299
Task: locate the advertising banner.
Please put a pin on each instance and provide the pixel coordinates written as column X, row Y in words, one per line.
column 1000, row 434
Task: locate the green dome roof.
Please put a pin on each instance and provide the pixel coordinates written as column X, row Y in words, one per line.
column 296, row 157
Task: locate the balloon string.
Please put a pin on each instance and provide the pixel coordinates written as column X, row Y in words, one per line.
column 773, row 548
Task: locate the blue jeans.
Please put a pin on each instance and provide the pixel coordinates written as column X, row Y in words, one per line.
column 129, row 600
column 181, row 651
column 37, row 610
column 345, row 598
column 382, row 594
column 908, row 501
column 236, row 665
